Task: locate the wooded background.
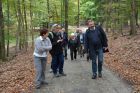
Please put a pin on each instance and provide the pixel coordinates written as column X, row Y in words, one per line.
column 20, row 19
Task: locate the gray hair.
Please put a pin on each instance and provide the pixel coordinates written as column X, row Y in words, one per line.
column 54, row 26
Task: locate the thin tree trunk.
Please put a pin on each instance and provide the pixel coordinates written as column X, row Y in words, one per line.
column 17, row 32
column 2, row 34
column 66, row 16
column 48, row 8
column 8, row 15
column 78, row 14
column 61, row 12
column 19, row 36
column 137, row 15
column 26, row 27
column 31, row 26
column 132, row 18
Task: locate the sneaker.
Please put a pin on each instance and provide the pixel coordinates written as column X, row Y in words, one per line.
column 56, row 75
column 66, row 58
column 37, row 86
column 94, row 76
column 44, row 83
column 63, row 74
column 100, row 75
column 50, row 70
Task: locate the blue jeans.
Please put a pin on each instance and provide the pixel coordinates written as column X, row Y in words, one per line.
column 57, row 63
column 40, row 66
column 97, row 53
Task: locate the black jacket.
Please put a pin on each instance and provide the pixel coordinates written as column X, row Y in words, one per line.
column 57, row 48
column 73, row 44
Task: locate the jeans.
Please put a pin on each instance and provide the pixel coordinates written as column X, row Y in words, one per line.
column 57, row 63
column 97, row 53
column 40, row 66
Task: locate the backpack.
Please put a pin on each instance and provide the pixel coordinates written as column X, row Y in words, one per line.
column 52, row 36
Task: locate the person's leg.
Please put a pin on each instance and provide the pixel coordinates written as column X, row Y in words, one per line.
column 94, row 65
column 61, row 64
column 87, row 56
column 43, row 63
column 54, row 64
column 80, row 50
column 100, row 61
column 65, row 49
column 71, row 54
column 38, row 67
column 75, row 54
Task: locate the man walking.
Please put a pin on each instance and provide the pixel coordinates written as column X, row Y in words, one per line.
column 95, row 42
column 57, row 51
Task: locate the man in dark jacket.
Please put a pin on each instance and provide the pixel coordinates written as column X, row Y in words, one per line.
column 57, row 51
column 95, row 41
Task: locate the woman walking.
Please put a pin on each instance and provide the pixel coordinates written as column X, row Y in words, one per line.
column 42, row 46
column 73, row 45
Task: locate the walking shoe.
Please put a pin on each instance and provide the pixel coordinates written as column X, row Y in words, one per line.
column 63, row 74
column 94, row 76
column 56, row 75
column 37, row 86
column 50, row 70
column 44, row 83
column 100, row 75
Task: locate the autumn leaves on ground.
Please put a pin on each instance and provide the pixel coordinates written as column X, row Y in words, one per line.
column 124, row 58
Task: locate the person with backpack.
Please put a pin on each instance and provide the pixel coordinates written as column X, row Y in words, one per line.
column 95, row 44
column 73, row 45
column 42, row 47
column 57, row 51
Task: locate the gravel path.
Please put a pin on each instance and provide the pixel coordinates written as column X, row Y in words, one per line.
column 78, row 80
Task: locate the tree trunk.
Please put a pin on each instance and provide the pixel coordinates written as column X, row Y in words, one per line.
column 31, row 26
column 137, row 15
column 48, row 8
column 2, row 35
column 26, row 27
column 18, row 38
column 8, row 15
column 78, row 14
column 132, row 18
column 66, row 16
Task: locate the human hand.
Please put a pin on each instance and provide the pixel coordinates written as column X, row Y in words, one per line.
column 59, row 41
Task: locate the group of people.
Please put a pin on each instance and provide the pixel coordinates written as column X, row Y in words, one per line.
column 56, row 42
column 76, row 44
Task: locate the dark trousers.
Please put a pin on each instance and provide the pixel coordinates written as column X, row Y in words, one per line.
column 57, row 63
column 65, row 51
column 73, row 53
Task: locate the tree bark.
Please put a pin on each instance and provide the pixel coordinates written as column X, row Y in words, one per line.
column 66, row 16
column 2, row 34
column 132, row 18
column 8, row 15
column 31, row 26
column 78, row 19
column 26, row 26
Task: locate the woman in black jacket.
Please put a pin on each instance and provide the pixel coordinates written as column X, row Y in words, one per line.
column 73, row 45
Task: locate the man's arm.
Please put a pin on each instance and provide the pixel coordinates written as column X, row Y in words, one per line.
column 104, row 37
column 86, row 44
